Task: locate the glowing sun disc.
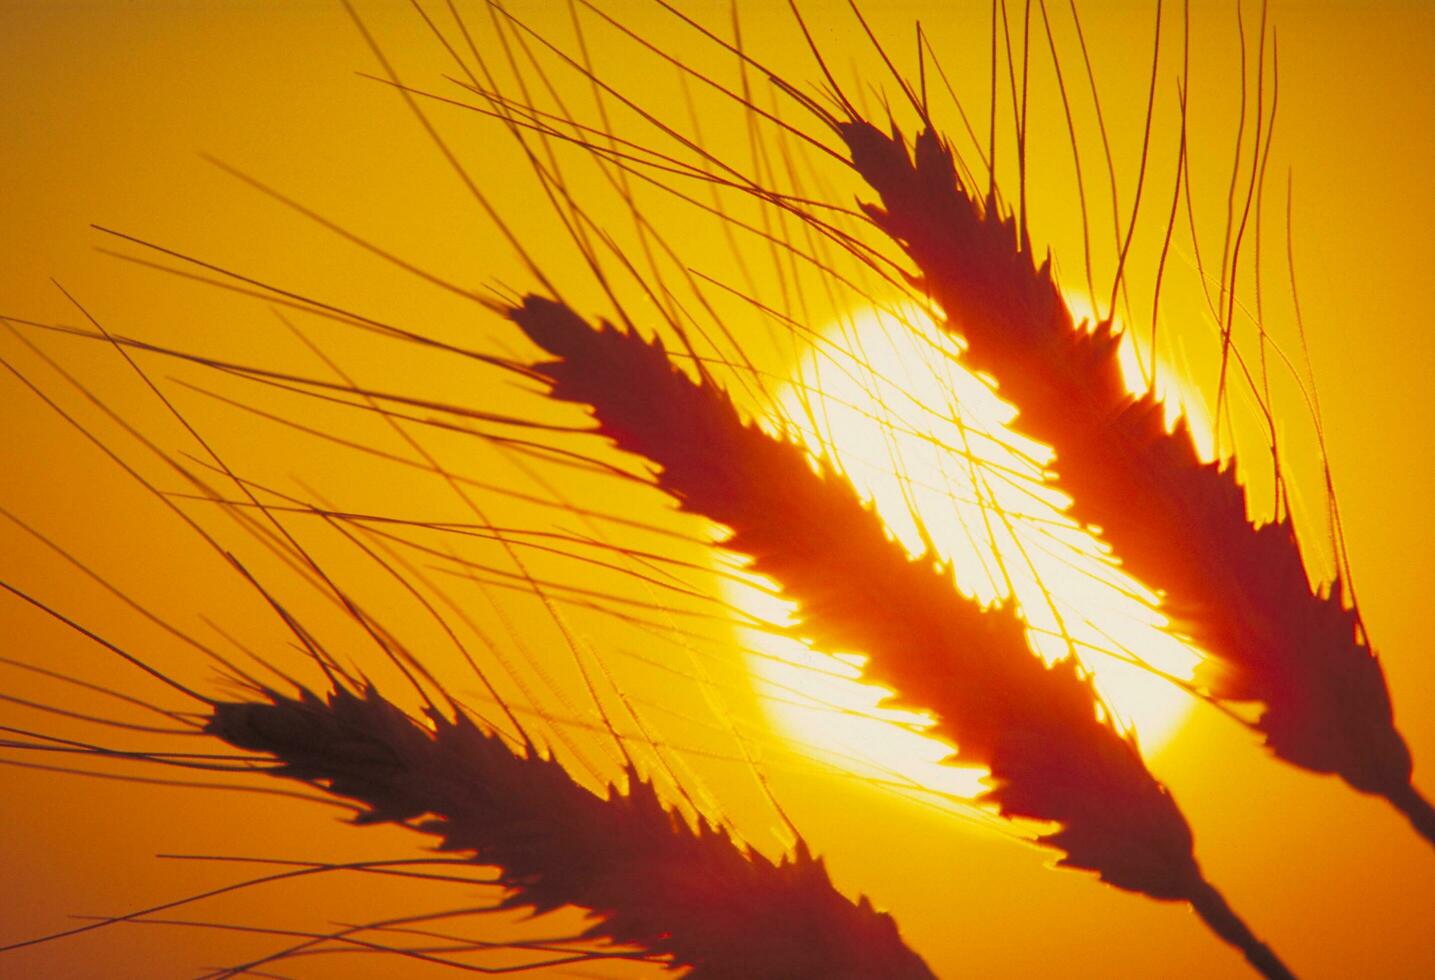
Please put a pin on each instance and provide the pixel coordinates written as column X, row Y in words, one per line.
column 927, row 441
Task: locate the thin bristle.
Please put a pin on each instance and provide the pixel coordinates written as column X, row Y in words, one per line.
column 1036, row 728
column 688, row 896
column 1239, row 590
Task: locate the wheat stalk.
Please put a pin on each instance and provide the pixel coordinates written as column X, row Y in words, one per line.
column 687, row 895
column 1239, row 589
column 1036, row 728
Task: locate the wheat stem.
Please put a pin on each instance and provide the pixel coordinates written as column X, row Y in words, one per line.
column 1416, row 808
column 1213, row 909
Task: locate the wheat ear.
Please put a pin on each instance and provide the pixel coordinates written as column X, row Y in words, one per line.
column 1238, row 589
column 1036, row 728
column 650, row 880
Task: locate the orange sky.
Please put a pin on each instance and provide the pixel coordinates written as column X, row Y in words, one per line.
column 106, row 109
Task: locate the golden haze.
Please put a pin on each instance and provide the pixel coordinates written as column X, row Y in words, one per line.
column 106, row 105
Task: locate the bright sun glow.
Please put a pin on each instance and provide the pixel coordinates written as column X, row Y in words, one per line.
column 928, row 442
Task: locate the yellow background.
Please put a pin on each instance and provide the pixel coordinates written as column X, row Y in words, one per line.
column 104, row 108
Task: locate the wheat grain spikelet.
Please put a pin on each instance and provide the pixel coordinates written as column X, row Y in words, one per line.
column 649, row 879
column 1238, row 589
column 1036, row 728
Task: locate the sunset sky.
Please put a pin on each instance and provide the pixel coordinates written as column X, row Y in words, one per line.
column 115, row 113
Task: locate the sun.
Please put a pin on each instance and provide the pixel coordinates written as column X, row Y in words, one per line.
column 883, row 395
